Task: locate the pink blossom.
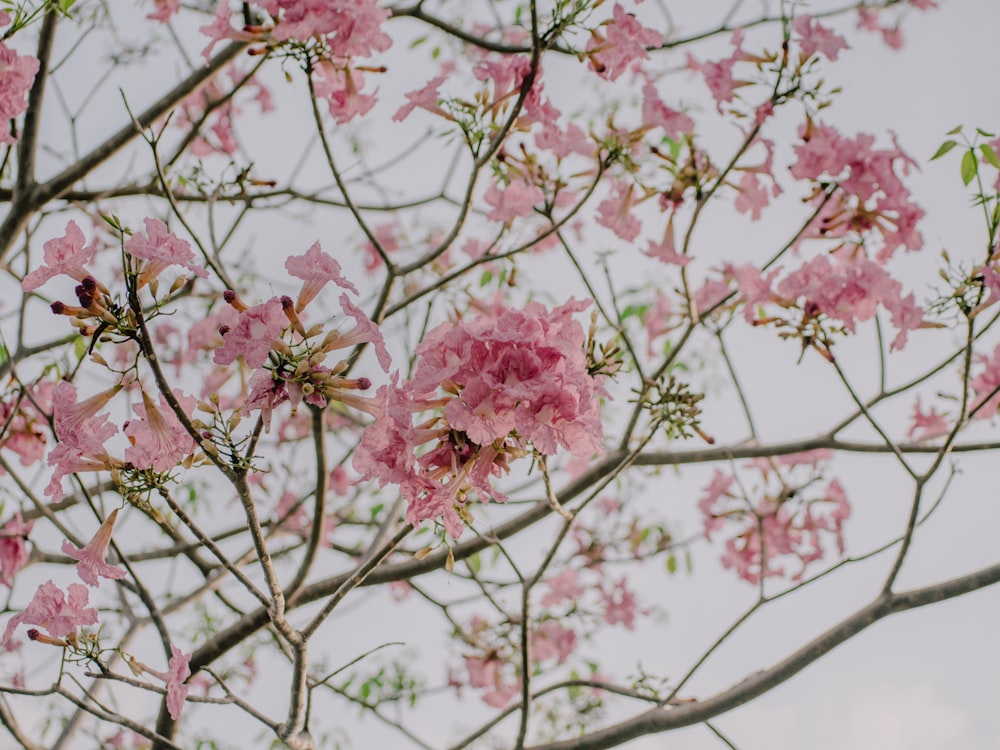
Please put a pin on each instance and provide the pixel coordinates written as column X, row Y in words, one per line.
column 13, row 548
column 927, row 424
column 219, row 29
column 17, row 73
column 615, row 212
column 986, row 385
column 752, row 197
column 65, row 459
column 755, row 287
column 623, row 42
column 484, row 672
column 656, row 113
column 58, row 613
column 341, row 88
column 387, row 237
column 348, row 27
column 252, row 337
column 666, row 249
column 178, row 670
column 316, row 268
column 551, row 641
column 92, row 565
column 78, row 425
column 165, row 10
column 516, row 200
column 656, row 321
column 160, row 249
column 620, row 606
column 65, row 255
column 364, row 331
column 719, row 75
column 426, row 98
column 814, row 38
column 562, row 587
column 159, row 440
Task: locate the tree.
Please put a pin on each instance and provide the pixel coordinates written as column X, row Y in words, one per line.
column 398, row 302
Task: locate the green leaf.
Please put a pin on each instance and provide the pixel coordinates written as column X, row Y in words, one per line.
column 984, row 133
column 954, row 131
column 990, row 155
column 968, row 166
column 475, row 563
column 672, row 564
column 945, row 148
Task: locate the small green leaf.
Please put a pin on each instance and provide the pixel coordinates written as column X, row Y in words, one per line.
column 417, row 42
column 968, row 166
column 475, row 563
column 990, row 155
column 672, row 564
column 983, row 133
column 945, row 148
column 954, row 131
column 80, row 347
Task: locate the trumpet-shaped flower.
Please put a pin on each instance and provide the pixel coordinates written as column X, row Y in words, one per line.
column 92, row 565
column 13, row 548
column 63, row 255
column 161, row 249
column 78, row 424
column 159, row 440
column 58, row 613
column 316, row 268
column 252, row 336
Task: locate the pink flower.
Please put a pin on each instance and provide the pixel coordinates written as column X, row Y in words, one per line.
column 65, row 255
column 719, row 75
column 17, row 74
column 516, row 200
column 252, row 337
column 656, row 113
column 160, row 249
column 91, row 563
column 77, row 425
column 815, row 38
column 58, row 613
column 619, row 605
column 666, row 249
column 614, row 212
column 365, row 331
column 178, row 670
column 624, row 41
column 341, row 88
column 562, row 587
column 426, row 98
column 550, row 640
column 13, row 548
column 159, row 440
column 165, row 9
column 316, row 268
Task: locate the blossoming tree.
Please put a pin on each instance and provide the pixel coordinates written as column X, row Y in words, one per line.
column 346, row 342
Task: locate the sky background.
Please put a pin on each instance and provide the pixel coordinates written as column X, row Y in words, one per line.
column 924, row 680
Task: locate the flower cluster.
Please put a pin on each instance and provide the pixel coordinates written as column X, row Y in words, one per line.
column 783, row 516
column 498, row 384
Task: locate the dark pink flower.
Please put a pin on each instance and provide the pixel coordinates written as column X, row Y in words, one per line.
column 91, row 565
